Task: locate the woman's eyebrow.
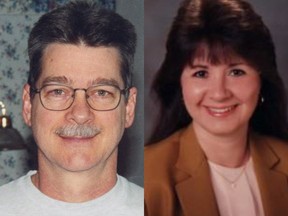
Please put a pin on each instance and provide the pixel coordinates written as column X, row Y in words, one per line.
column 194, row 66
column 236, row 64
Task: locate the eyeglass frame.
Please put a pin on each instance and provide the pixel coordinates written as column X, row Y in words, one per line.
column 124, row 91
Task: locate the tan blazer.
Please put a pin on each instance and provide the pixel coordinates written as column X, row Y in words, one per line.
column 177, row 179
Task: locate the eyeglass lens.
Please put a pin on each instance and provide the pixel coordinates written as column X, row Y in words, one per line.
column 60, row 97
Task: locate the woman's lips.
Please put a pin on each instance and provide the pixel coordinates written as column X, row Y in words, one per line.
column 221, row 111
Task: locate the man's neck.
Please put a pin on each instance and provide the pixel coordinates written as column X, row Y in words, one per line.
column 75, row 187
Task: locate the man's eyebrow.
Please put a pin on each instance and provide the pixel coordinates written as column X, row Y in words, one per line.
column 66, row 81
column 56, row 79
column 105, row 81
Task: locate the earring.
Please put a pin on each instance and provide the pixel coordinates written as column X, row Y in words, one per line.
column 262, row 99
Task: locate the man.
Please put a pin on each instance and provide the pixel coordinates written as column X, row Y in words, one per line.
column 78, row 101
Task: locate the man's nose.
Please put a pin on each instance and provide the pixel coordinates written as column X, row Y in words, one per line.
column 80, row 111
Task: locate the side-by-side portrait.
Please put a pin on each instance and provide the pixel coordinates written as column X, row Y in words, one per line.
column 143, row 108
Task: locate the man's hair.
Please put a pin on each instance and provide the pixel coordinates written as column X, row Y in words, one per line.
column 85, row 23
column 226, row 27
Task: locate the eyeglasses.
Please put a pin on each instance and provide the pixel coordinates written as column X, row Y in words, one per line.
column 61, row 97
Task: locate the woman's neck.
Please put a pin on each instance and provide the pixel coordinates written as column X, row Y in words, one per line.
column 226, row 150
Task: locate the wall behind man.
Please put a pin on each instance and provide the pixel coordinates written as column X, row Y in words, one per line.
column 158, row 18
column 130, row 160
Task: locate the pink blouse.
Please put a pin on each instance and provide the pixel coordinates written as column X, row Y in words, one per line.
column 236, row 190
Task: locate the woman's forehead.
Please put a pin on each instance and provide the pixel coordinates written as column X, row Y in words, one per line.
column 215, row 54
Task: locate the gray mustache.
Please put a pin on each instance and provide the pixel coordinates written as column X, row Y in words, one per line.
column 78, row 131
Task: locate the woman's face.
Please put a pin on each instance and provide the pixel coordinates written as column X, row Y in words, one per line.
column 220, row 98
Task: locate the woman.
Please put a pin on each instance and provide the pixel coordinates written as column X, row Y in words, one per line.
column 219, row 147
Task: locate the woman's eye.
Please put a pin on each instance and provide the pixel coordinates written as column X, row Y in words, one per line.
column 237, row 72
column 201, row 74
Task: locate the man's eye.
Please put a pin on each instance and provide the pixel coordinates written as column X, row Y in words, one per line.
column 102, row 93
column 58, row 92
column 237, row 72
column 200, row 74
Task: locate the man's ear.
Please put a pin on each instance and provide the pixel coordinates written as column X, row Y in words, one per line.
column 130, row 107
column 26, row 107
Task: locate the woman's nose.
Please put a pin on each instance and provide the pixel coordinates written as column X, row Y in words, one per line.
column 219, row 89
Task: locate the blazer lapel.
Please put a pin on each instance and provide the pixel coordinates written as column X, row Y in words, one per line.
column 194, row 190
column 271, row 179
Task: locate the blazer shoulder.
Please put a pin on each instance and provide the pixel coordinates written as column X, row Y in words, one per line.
column 165, row 144
column 160, row 158
column 279, row 148
column 277, row 145
column 159, row 170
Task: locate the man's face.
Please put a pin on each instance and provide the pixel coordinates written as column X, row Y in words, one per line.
column 78, row 66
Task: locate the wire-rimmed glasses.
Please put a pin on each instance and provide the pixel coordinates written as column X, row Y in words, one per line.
column 57, row 97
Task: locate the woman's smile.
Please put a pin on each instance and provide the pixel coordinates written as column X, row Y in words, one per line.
column 220, row 111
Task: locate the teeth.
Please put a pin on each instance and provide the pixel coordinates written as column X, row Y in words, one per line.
column 221, row 110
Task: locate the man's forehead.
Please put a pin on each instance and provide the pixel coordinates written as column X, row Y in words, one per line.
column 100, row 55
column 95, row 65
